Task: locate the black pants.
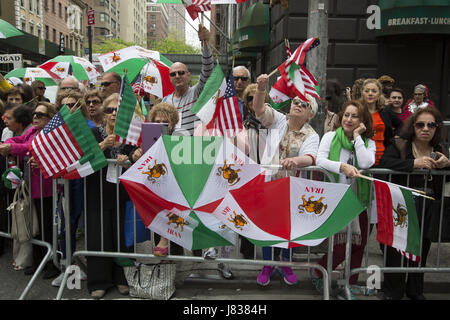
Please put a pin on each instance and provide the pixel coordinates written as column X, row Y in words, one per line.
column 397, row 284
column 103, row 273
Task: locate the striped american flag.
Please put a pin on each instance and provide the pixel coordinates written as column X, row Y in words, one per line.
column 55, row 148
column 193, row 7
column 228, row 121
column 299, row 55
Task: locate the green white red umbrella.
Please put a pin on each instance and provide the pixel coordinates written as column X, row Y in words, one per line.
column 289, row 212
column 155, row 79
column 133, row 59
column 7, row 30
column 179, row 181
column 31, row 74
column 78, row 67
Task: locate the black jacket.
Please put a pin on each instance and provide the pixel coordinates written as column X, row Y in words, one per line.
column 392, row 125
column 399, row 157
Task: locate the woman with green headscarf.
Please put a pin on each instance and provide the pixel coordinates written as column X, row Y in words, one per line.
column 344, row 152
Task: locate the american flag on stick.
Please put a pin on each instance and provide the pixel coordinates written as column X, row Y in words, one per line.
column 228, row 121
column 56, row 148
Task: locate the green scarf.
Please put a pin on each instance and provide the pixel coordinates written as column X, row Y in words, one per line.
column 340, row 141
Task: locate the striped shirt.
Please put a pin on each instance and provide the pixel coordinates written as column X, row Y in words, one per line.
column 187, row 101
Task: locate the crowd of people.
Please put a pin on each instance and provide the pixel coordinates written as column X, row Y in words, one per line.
column 367, row 126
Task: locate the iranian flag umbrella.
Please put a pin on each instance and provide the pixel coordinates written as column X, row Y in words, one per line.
column 289, row 212
column 78, row 67
column 179, row 181
column 133, row 59
column 31, row 74
column 7, row 30
column 156, row 80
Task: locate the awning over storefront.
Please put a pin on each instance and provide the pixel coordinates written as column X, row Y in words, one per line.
column 254, row 28
column 35, row 49
column 240, row 57
column 414, row 17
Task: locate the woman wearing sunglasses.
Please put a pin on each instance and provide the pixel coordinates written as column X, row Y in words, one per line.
column 102, row 216
column 19, row 146
column 418, row 147
column 296, row 145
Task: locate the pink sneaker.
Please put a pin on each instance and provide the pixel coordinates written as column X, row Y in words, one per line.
column 288, row 275
column 264, row 277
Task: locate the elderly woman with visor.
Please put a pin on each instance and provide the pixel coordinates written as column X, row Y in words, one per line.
column 296, row 146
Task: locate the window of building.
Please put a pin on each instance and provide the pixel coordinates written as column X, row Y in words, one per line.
column 39, row 32
column 54, row 35
column 47, row 33
column 53, row 6
column 30, row 7
column 38, row 7
column 46, row 5
column 32, row 28
column 152, row 26
column 23, row 24
column 60, row 9
column 22, row 3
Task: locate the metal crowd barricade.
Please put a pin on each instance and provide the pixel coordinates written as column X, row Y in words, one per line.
column 403, row 269
column 51, row 247
column 151, row 258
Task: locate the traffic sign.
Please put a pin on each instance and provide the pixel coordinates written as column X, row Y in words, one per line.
column 91, row 17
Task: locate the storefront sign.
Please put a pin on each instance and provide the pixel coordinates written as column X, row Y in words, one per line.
column 15, row 59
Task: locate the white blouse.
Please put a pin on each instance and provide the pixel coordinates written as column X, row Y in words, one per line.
column 366, row 156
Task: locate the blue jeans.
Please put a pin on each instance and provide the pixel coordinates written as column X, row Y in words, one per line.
column 267, row 253
column 76, row 209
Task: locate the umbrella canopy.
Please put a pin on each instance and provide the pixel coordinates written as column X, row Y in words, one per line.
column 155, row 79
column 64, row 66
column 289, row 212
column 7, row 30
column 133, row 59
column 179, row 181
column 31, row 74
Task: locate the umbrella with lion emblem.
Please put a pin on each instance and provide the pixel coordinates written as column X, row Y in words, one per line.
column 289, row 212
column 80, row 68
column 180, row 180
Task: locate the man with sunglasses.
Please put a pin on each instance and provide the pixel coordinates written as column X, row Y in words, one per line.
column 241, row 77
column 184, row 96
column 110, row 84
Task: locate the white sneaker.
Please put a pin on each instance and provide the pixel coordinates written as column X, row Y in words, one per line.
column 57, row 281
column 83, row 275
column 211, row 254
column 225, row 270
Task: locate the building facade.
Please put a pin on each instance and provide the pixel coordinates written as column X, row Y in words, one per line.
column 157, row 22
column 410, row 53
column 133, row 22
column 107, row 16
column 177, row 24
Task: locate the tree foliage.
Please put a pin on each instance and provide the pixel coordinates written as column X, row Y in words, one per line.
column 172, row 45
column 109, row 45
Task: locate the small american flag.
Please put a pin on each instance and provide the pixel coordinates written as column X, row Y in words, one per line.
column 228, row 120
column 55, row 148
column 193, row 7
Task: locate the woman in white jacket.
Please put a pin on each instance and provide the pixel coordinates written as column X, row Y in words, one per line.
column 344, row 152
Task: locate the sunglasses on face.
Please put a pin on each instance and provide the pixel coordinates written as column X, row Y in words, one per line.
column 302, row 104
column 107, row 84
column 243, row 79
column 94, row 102
column 110, row 110
column 40, row 115
column 68, row 88
column 430, row 125
column 180, row 73
column 249, row 98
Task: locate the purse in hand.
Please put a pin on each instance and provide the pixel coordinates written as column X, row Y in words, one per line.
column 24, row 222
column 154, row 281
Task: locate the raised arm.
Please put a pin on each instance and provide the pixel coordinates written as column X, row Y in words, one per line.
column 207, row 59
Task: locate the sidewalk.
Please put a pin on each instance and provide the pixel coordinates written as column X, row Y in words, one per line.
column 205, row 282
